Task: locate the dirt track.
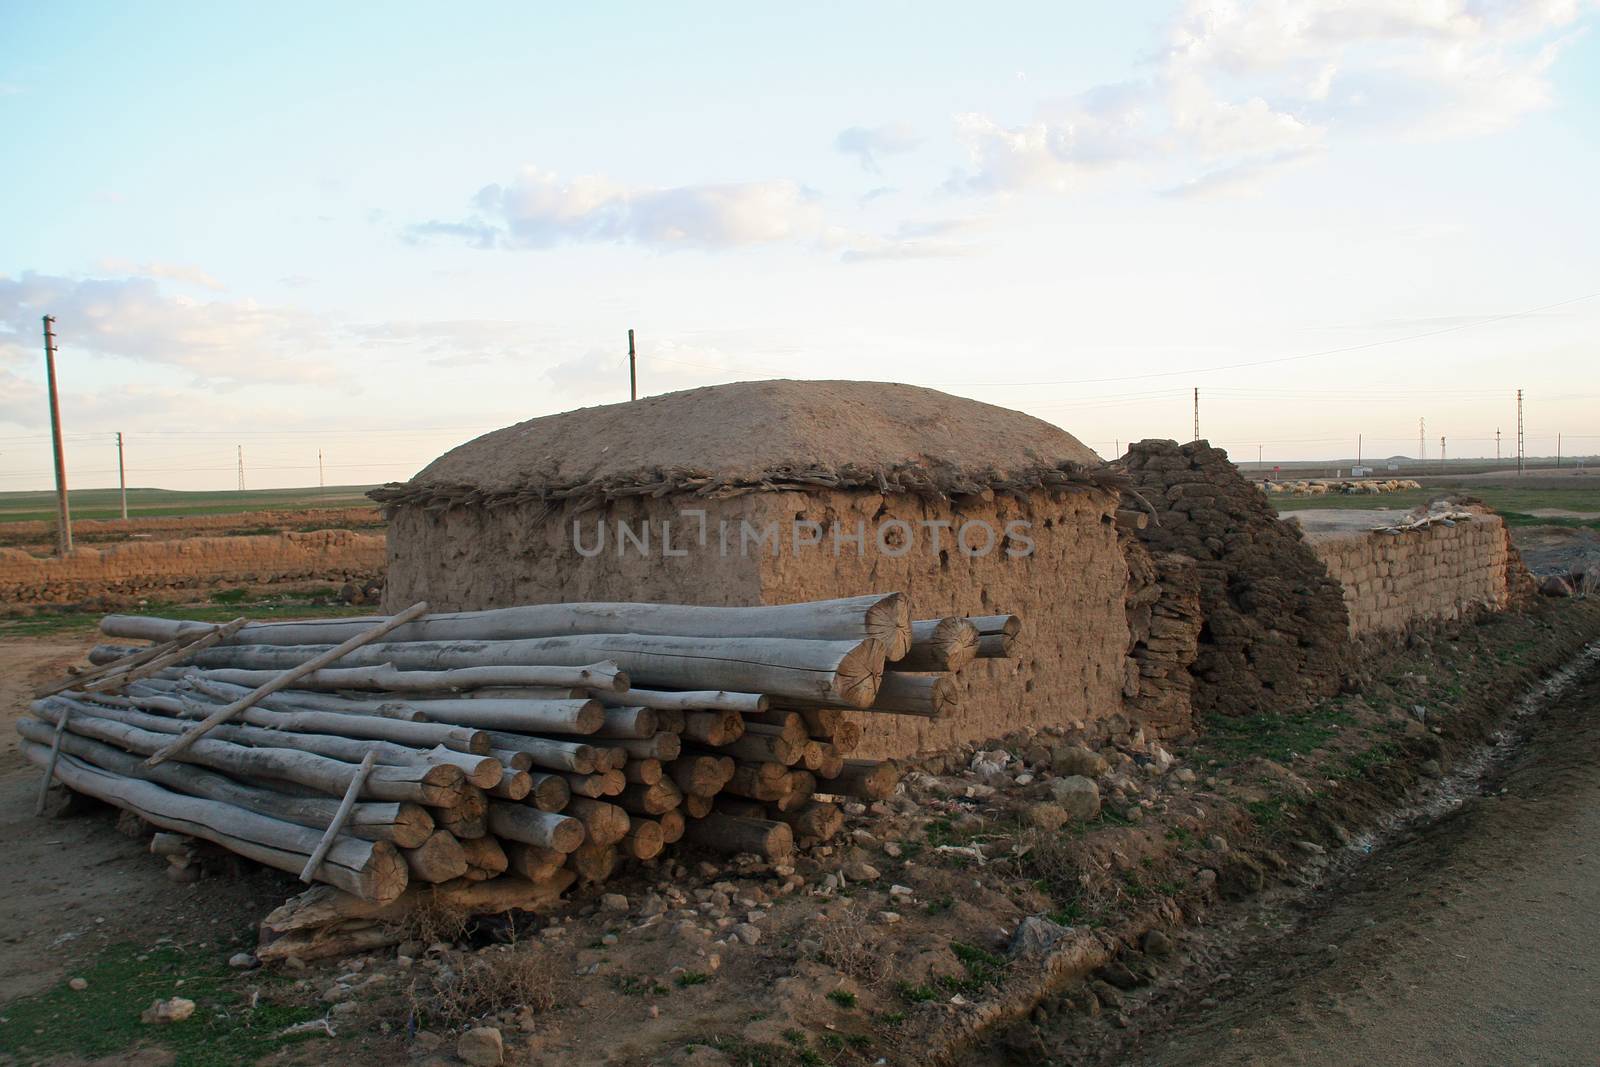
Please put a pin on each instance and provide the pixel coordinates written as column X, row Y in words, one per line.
column 1475, row 940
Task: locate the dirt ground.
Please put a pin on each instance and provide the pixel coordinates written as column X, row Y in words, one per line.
column 1473, row 939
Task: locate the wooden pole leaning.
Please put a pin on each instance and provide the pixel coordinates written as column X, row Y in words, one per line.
column 50, row 767
column 339, row 816
column 287, row 678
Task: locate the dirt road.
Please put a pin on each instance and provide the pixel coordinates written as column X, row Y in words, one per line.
column 1475, row 940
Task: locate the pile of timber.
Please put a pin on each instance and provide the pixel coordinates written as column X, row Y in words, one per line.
column 488, row 760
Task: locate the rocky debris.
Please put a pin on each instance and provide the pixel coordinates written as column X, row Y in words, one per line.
column 1157, row 944
column 1035, row 936
column 482, row 1046
column 242, row 961
column 1276, row 627
column 861, row 871
column 1078, row 796
column 78, row 985
column 614, row 902
column 1069, row 760
column 1046, row 817
column 1239, row 877
column 161, row 1012
column 1162, row 605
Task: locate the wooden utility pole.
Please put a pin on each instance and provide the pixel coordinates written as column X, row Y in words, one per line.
column 633, row 370
column 1441, row 453
column 1197, row 413
column 241, row 468
column 63, row 512
column 122, row 477
column 1497, row 447
column 1422, row 440
column 322, row 477
column 1519, row 431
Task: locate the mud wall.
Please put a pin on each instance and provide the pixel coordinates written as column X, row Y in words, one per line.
column 1439, row 572
column 1068, row 586
column 151, row 566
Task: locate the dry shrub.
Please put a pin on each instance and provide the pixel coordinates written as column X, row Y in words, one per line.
column 1059, row 865
column 504, row 978
column 432, row 922
column 852, row 946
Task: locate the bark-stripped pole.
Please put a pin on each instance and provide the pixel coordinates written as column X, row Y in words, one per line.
column 339, row 816
column 63, row 512
column 287, row 678
column 122, row 477
column 633, row 370
column 50, row 767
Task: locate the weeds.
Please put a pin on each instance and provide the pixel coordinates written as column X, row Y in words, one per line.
column 499, row 980
column 850, row 945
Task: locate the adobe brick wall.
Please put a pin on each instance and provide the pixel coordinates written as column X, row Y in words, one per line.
column 139, row 567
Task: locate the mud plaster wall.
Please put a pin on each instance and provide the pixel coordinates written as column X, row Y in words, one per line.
column 150, row 566
column 1069, row 590
column 1435, row 573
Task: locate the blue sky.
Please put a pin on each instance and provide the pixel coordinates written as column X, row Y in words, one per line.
column 377, row 231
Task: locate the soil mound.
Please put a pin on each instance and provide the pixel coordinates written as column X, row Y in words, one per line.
column 751, row 436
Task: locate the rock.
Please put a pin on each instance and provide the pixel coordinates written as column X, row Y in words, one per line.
column 242, row 961
column 1035, row 936
column 1023, row 1044
column 1069, row 760
column 609, row 939
column 1107, row 995
column 1157, row 944
column 613, row 902
column 888, row 918
column 1118, row 974
column 861, row 872
column 1184, row 775
column 1078, row 796
column 482, row 1047
column 749, row 933
column 78, row 985
column 1046, row 817
column 167, row 1011
column 1430, row 769
column 891, row 850
column 1240, row 877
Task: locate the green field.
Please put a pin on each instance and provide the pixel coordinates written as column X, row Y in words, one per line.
column 1517, row 504
column 103, row 503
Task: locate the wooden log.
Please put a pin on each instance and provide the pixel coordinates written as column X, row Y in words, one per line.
column 756, row 781
column 823, row 722
column 612, row 759
column 686, row 700
column 786, row 719
column 165, row 844
column 505, row 893
column 371, row 869
column 321, row 659
column 514, row 785
column 801, row 785
column 669, row 720
column 438, row 859
column 581, row 717
column 603, row 823
column 696, row 807
column 1010, row 625
column 997, row 646
column 866, row 779
column 810, row 755
column 548, row 753
column 643, row 841
column 468, row 817
column 346, row 939
column 340, row 816
column 642, row 771
column 846, row 737
column 592, row 862
column 607, row 784
column 404, row 825
column 883, row 617
column 50, row 764
column 762, row 749
column 732, row 834
column 113, row 676
column 662, row 746
column 931, row 696
column 550, row 792
column 512, row 761
column 1131, row 519
column 793, row 731
column 841, row 673
column 713, row 727
column 518, row 822
column 650, row 799
column 570, row 681
column 672, row 824
column 946, row 644
column 423, row 783
column 831, row 764
column 485, row 859
column 626, row 722
column 133, row 658
column 813, row 822
column 701, row 775
column 527, row 692
column 531, row 861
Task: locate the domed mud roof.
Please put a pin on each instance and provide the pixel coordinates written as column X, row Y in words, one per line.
column 753, row 436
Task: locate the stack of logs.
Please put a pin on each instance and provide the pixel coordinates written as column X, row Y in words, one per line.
column 487, row 760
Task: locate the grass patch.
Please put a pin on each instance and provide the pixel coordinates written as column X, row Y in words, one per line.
column 104, row 1019
column 917, row 994
column 1235, row 738
column 692, row 978
column 843, row 997
column 225, row 607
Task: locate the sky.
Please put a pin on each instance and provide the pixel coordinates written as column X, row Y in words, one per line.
column 372, row 232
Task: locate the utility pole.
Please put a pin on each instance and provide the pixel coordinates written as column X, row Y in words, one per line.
column 122, row 477
column 322, row 477
column 1259, row 464
column 241, row 468
column 1116, row 444
column 1422, row 441
column 1497, row 446
column 1197, row 413
column 1558, row 451
column 1441, row 453
column 1358, row 449
column 1520, row 440
column 63, row 512
column 633, row 370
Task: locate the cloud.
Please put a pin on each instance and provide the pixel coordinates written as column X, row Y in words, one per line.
column 1243, row 176
column 21, row 400
column 217, row 341
column 1240, row 90
column 458, row 342
column 539, row 209
column 869, row 144
column 925, row 239
column 176, row 272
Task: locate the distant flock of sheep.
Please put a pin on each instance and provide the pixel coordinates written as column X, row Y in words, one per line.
column 1322, row 488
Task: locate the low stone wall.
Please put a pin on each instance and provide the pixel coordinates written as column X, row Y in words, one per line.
column 1394, row 579
column 139, row 567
